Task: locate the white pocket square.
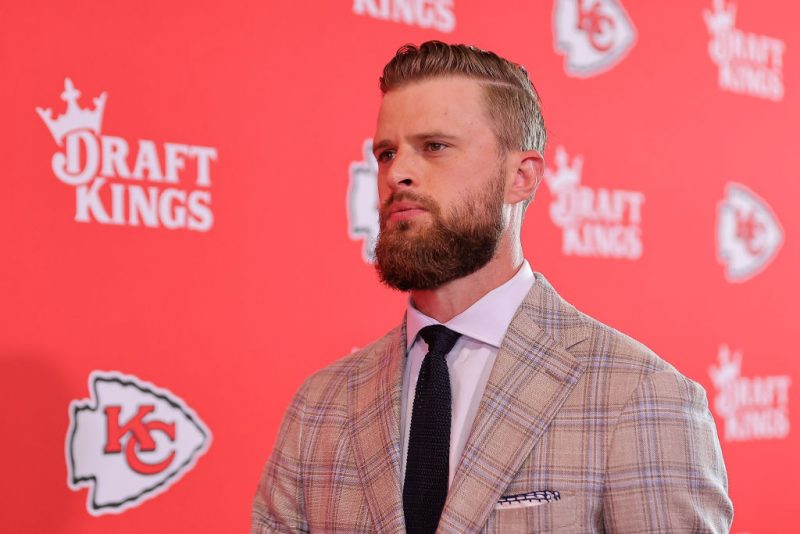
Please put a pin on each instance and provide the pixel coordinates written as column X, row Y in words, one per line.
column 524, row 500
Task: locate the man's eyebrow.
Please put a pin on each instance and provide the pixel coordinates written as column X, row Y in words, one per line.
column 437, row 134
column 383, row 143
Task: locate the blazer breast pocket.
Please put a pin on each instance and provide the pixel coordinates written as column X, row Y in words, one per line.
column 556, row 516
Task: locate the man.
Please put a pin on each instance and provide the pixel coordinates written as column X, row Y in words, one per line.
column 496, row 406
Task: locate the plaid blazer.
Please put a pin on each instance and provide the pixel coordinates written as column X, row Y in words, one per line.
column 571, row 406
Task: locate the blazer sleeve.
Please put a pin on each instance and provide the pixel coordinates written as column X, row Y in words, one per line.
column 278, row 505
column 665, row 471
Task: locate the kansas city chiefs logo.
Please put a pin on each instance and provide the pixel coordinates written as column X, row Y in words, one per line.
column 749, row 235
column 362, row 202
column 594, row 35
column 130, row 442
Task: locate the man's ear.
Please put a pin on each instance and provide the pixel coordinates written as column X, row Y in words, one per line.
column 528, row 173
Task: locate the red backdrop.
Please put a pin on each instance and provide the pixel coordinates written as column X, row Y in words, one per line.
column 181, row 252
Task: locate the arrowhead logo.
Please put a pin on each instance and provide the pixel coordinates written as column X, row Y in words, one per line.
column 594, row 35
column 749, row 235
column 362, row 202
column 129, row 442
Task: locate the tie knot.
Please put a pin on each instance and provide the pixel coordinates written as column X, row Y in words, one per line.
column 439, row 338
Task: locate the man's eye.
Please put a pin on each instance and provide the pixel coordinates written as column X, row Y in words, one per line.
column 385, row 155
column 436, row 147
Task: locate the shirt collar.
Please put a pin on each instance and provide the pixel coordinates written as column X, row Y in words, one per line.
column 487, row 320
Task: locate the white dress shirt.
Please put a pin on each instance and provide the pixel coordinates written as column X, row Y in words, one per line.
column 482, row 327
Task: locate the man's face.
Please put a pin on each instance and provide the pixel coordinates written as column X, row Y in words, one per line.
column 441, row 183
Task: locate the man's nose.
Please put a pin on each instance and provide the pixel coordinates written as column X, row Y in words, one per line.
column 402, row 171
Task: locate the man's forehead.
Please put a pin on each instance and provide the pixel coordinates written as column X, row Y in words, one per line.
column 441, row 105
column 455, row 89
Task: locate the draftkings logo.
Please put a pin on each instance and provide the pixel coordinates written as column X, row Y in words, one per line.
column 362, row 202
column 437, row 14
column 749, row 64
column 596, row 222
column 594, row 35
column 749, row 235
column 130, row 442
column 158, row 187
column 752, row 408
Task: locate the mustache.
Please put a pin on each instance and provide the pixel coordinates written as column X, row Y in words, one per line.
column 409, row 196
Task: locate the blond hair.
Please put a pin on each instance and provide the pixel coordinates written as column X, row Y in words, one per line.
column 511, row 99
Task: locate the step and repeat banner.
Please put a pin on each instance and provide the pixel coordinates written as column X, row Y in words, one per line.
column 190, row 210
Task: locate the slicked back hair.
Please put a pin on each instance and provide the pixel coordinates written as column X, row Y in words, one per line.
column 512, row 102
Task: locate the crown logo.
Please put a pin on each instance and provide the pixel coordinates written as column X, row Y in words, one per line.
column 722, row 19
column 75, row 118
column 730, row 366
column 566, row 175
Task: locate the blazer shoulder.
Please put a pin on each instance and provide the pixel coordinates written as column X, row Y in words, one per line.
column 628, row 365
column 608, row 345
column 614, row 361
column 334, row 377
column 587, row 339
column 600, row 348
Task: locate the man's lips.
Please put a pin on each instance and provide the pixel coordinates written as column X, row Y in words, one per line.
column 401, row 211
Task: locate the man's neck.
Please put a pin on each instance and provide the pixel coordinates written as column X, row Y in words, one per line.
column 452, row 298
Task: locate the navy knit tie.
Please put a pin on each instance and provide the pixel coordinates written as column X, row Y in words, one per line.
column 428, row 460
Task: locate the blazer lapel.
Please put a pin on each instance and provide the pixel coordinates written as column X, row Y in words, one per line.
column 374, row 398
column 532, row 376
